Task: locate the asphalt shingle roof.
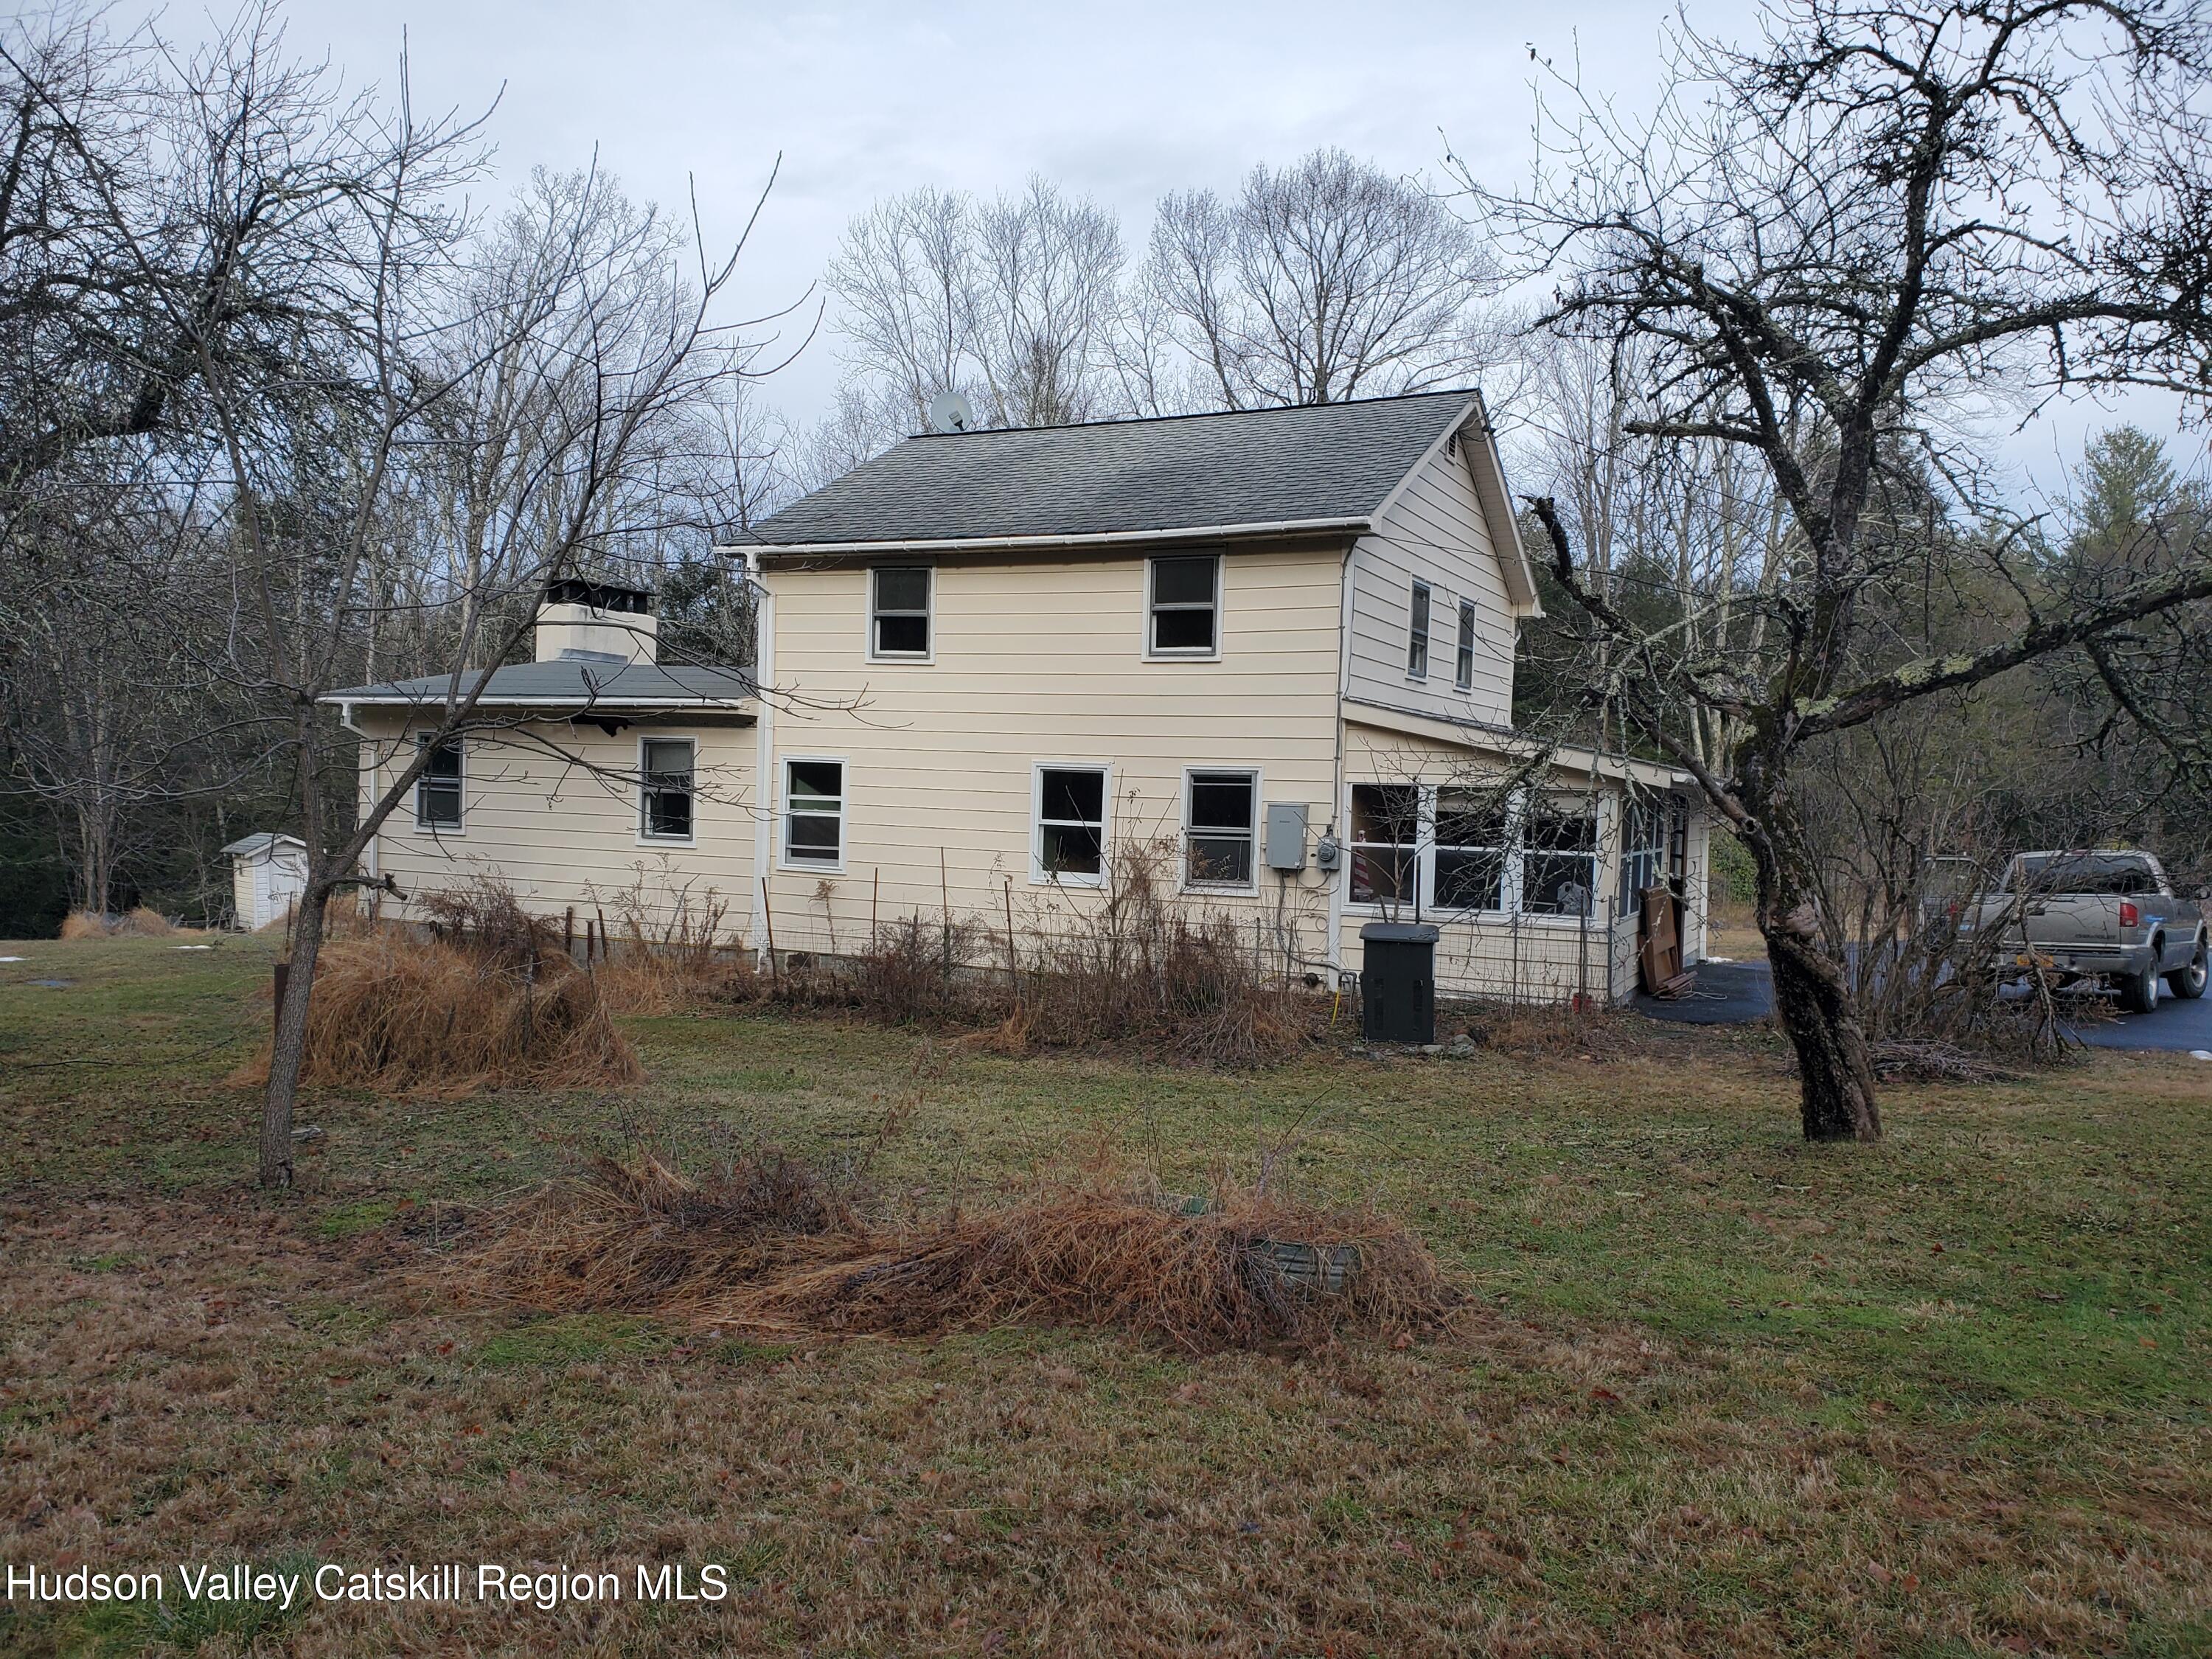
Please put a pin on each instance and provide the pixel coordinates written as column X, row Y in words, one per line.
column 1329, row 461
column 586, row 684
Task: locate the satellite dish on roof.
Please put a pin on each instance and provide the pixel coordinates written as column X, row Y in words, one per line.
column 951, row 412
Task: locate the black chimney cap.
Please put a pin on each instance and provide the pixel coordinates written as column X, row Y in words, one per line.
column 619, row 593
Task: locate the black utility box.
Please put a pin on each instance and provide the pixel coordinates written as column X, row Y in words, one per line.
column 1398, row 981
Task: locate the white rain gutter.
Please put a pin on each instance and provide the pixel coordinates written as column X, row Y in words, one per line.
column 607, row 704
column 764, row 749
column 364, row 790
column 1359, row 525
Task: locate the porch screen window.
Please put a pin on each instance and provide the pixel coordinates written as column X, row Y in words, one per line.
column 1473, row 837
column 899, row 616
column 1642, row 854
column 1463, row 670
column 1217, row 833
column 1386, row 827
column 1417, row 641
column 1071, row 827
column 813, row 812
column 665, row 773
column 438, row 789
column 1559, row 863
column 1186, row 606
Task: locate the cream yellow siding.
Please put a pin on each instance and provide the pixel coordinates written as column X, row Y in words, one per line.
column 1032, row 663
column 552, row 810
column 1434, row 531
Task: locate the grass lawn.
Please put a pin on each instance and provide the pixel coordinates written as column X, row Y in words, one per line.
column 1724, row 1394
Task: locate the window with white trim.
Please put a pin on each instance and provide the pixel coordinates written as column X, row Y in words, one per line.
column 1219, row 809
column 1184, row 605
column 1474, row 845
column 666, row 776
column 1386, row 834
column 1642, row 852
column 1459, row 848
column 814, row 813
column 1463, row 670
column 438, row 786
column 1417, row 638
column 1069, row 845
column 1559, row 860
column 898, row 611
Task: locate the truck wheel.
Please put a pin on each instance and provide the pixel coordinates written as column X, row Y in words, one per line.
column 2189, row 981
column 2139, row 992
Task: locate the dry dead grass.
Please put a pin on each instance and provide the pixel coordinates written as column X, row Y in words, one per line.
column 141, row 923
column 493, row 1004
column 1731, row 1394
column 765, row 1248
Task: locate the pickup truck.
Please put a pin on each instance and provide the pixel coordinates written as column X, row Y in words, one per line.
column 2107, row 915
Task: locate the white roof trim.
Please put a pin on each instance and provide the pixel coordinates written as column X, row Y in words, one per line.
column 1358, row 525
column 609, row 703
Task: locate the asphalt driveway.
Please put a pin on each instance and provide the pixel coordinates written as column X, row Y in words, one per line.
column 1737, row 992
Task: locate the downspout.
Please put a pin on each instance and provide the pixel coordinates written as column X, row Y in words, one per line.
column 1339, row 877
column 364, row 790
column 764, row 752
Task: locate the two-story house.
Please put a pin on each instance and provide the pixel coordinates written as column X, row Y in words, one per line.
column 1272, row 648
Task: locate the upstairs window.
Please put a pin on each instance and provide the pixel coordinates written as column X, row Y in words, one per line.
column 1070, row 843
column 1218, row 829
column 898, row 613
column 1463, row 672
column 1386, row 829
column 664, row 776
column 1185, row 606
column 1417, row 640
column 814, row 813
column 438, row 787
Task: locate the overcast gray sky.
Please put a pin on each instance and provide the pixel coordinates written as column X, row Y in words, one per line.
column 1122, row 103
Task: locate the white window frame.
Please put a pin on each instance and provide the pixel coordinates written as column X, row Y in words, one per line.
column 1424, row 824
column 1220, row 583
column 1420, row 629
column 819, row 866
column 645, row 837
column 460, row 826
column 1424, row 903
column 1041, row 877
column 928, row 615
column 1530, row 805
column 1509, row 858
column 1628, row 898
column 1463, row 659
column 1190, row 774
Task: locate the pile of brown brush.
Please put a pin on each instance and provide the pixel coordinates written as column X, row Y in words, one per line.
column 141, row 923
column 489, row 1000
column 763, row 1249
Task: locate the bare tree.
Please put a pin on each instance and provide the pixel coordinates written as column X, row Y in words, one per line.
column 410, row 427
column 1883, row 217
column 1010, row 301
column 1325, row 281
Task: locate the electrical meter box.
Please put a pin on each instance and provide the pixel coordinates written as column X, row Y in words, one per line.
column 1286, row 834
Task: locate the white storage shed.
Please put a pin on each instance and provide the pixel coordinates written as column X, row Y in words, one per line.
column 268, row 873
